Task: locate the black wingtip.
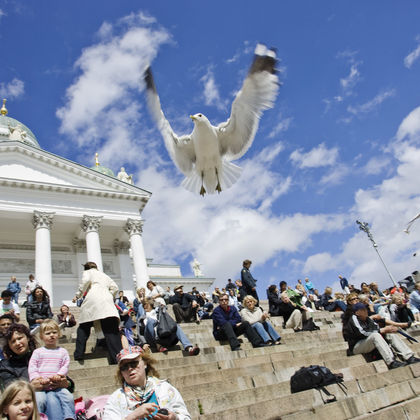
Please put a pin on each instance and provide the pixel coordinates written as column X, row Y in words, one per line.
column 264, row 60
column 148, row 78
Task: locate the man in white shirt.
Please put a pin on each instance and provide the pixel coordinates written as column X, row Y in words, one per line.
column 9, row 307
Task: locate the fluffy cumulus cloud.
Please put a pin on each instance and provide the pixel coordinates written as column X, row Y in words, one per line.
column 318, row 157
column 101, row 107
column 413, row 55
column 211, row 91
column 13, row 89
column 220, row 229
column 387, row 207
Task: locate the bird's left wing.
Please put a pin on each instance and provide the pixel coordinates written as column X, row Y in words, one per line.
column 258, row 93
column 180, row 148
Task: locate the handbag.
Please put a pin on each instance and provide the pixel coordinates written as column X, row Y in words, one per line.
column 166, row 327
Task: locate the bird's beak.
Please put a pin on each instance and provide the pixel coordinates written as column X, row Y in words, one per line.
column 192, row 117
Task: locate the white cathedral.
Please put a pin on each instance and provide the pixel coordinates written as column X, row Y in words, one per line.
column 56, row 214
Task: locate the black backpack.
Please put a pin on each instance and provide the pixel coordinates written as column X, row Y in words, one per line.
column 309, row 325
column 318, row 377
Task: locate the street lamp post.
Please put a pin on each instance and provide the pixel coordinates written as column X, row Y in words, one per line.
column 365, row 227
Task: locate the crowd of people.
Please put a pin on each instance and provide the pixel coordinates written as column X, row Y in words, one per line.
column 130, row 331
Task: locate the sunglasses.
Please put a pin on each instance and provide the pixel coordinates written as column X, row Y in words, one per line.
column 129, row 365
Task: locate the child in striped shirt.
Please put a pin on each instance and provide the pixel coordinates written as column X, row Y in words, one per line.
column 51, row 364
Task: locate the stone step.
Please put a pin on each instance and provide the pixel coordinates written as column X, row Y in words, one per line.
column 363, row 404
column 310, row 404
column 407, row 410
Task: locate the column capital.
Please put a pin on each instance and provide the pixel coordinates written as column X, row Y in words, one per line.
column 42, row 219
column 91, row 223
column 134, row 226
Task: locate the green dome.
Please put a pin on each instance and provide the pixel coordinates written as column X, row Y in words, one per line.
column 11, row 129
column 103, row 170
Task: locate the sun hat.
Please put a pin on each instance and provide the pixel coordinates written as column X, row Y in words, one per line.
column 129, row 353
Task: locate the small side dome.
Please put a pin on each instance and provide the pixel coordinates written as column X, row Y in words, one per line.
column 102, row 169
column 14, row 130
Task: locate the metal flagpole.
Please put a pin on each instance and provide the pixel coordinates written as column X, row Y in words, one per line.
column 365, row 227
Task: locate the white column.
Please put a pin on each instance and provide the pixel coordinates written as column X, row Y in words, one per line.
column 90, row 225
column 42, row 222
column 134, row 228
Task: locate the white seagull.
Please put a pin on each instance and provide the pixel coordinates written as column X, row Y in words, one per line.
column 205, row 155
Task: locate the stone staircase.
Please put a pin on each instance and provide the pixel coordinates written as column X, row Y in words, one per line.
column 254, row 383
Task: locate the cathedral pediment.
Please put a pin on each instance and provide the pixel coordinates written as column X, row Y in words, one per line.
column 23, row 164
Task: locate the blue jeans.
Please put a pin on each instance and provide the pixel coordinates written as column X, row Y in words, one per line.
column 266, row 331
column 56, row 404
column 15, row 297
column 149, row 334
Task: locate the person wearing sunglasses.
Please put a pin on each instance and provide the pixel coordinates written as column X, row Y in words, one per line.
column 228, row 325
column 142, row 393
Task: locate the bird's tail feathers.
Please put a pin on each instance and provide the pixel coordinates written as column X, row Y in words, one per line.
column 192, row 182
column 228, row 175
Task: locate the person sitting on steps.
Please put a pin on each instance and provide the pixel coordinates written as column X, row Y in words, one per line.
column 364, row 335
column 227, row 324
column 184, row 305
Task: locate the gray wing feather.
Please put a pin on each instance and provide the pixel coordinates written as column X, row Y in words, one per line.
column 180, row 148
column 258, row 93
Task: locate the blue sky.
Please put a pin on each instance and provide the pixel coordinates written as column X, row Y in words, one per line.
column 342, row 142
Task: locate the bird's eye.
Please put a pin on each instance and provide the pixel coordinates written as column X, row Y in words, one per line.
column 200, row 115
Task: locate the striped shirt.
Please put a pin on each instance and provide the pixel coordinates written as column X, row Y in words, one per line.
column 48, row 362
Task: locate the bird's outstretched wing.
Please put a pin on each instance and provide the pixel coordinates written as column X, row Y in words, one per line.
column 180, row 148
column 258, row 93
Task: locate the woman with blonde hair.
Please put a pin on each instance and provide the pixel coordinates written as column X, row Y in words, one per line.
column 142, row 393
column 18, row 402
column 259, row 321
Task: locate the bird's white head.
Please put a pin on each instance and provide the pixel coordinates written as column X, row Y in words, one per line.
column 199, row 118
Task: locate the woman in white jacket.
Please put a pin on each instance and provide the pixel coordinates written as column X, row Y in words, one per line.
column 142, row 394
column 98, row 310
column 259, row 321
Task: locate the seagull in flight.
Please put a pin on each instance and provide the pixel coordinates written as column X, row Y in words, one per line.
column 205, row 155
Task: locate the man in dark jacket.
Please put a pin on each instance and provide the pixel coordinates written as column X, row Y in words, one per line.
column 227, row 324
column 184, row 305
column 364, row 335
column 230, row 285
column 248, row 282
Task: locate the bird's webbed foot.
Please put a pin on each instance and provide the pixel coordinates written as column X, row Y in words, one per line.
column 202, row 191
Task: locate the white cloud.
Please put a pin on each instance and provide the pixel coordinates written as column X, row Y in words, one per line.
column 348, row 83
column 220, row 230
column 413, row 55
column 13, row 89
column 321, row 262
column 317, row 157
column 211, row 91
column 335, row 176
column 101, row 107
column 410, row 126
column 387, row 207
column 376, row 165
column 282, row 125
column 371, row 105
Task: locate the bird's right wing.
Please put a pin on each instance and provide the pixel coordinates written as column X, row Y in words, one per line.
column 180, row 148
column 258, row 93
